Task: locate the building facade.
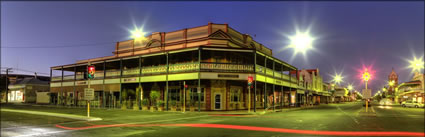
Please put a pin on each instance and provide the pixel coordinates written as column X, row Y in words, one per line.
column 412, row 90
column 393, row 83
column 214, row 61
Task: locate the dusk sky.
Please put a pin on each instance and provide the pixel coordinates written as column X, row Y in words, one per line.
column 349, row 34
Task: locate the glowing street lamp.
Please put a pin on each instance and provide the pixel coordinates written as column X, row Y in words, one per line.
column 416, row 64
column 138, row 34
column 366, row 77
column 350, row 87
column 337, row 78
column 391, row 83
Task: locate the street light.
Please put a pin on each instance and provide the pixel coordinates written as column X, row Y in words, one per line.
column 301, row 42
column 350, row 87
column 416, row 64
column 337, row 78
column 391, row 83
column 138, row 34
column 366, row 77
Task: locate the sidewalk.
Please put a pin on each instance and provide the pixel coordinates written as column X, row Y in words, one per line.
column 77, row 117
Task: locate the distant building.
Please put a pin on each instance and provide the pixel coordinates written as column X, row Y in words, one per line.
column 23, row 88
column 411, row 90
column 392, row 78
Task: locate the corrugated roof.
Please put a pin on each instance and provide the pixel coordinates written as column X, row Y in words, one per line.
column 31, row 80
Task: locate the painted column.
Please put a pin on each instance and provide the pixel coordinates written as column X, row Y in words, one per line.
column 199, row 80
column 265, row 84
column 62, row 87
column 166, row 85
column 103, row 85
column 120, row 83
column 75, row 92
column 273, row 85
column 255, row 81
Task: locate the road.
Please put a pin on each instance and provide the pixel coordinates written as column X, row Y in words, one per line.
column 342, row 119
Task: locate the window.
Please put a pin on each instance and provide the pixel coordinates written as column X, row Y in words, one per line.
column 235, row 95
column 175, row 94
column 194, row 94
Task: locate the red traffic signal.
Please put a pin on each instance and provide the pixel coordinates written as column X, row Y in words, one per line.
column 91, row 70
column 250, row 80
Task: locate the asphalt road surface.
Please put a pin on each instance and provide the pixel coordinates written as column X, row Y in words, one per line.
column 343, row 119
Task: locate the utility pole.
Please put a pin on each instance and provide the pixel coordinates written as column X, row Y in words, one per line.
column 7, row 84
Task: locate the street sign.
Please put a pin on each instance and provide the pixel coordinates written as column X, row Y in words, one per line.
column 366, row 93
column 88, row 93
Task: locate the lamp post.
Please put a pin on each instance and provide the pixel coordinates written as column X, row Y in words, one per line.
column 366, row 77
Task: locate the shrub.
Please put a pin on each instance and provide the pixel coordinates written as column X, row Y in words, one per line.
column 160, row 103
column 145, row 102
column 154, row 97
column 174, row 103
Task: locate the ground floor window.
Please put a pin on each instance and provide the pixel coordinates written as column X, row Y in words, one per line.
column 194, row 94
column 175, row 94
column 235, row 95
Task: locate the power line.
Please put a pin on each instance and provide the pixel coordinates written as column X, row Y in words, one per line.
column 66, row 46
column 29, row 71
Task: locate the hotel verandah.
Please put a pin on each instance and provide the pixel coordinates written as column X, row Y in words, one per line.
column 215, row 58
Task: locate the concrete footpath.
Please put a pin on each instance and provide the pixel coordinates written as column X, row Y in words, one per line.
column 77, row 117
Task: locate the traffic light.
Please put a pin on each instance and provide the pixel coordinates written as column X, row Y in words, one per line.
column 91, row 70
column 250, row 80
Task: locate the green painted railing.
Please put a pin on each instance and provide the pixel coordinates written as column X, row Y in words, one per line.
column 227, row 67
column 269, row 71
column 134, row 71
column 98, row 74
column 181, row 67
column 277, row 74
column 154, row 69
column 57, row 78
column 259, row 69
column 113, row 73
column 68, row 77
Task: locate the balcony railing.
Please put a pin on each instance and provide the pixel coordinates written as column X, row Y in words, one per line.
column 134, row 71
column 57, row 78
column 68, row 77
column 259, row 69
column 227, row 67
column 277, row 74
column 113, row 73
column 269, row 71
column 98, row 74
column 154, row 69
column 181, row 67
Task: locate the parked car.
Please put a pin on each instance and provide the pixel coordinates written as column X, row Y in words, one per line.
column 412, row 104
column 385, row 102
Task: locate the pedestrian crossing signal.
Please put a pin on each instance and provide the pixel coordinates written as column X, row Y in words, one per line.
column 91, row 70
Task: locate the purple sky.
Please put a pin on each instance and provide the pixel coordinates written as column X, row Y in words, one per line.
column 349, row 34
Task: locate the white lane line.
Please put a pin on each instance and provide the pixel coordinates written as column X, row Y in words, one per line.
column 354, row 119
column 145, row 122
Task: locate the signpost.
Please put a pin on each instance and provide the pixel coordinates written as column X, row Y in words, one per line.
column 89, row 92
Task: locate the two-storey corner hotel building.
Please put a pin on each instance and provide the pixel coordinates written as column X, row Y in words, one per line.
column 214, row 59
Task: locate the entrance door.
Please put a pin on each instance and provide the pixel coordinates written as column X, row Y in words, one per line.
column 217, row 101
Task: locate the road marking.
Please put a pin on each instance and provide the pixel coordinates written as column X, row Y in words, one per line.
column 266, row 129
column 354, row 119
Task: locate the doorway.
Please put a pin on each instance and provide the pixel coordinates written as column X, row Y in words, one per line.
column 217, row 102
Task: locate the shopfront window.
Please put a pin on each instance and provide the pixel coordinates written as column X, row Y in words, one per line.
column 175, row 94
column 194, row 94
column 235, row 95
